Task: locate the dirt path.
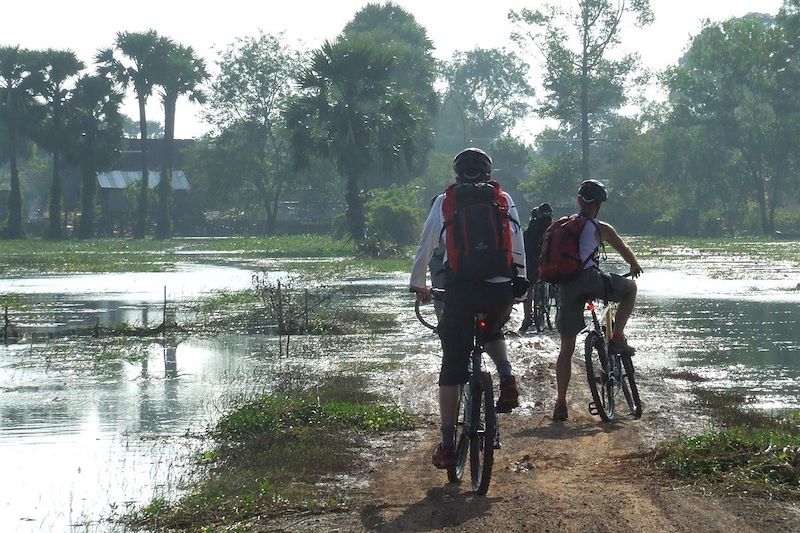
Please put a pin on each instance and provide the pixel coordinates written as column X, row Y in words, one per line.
column 579, row 475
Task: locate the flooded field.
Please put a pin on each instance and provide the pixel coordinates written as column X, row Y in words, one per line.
column 91, row 427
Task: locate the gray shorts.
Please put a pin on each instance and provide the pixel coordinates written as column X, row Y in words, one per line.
column 574, row 294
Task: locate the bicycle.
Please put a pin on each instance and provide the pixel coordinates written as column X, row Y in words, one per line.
column 545, row 301
column 608, row 375
column 477, row 432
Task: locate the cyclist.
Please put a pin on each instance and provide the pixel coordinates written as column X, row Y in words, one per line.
column 593, row 283
column 436, row 268
column 494, row 297
column 541, row 218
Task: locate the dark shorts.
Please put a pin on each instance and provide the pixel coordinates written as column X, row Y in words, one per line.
column 574, row 294
column 463, row 301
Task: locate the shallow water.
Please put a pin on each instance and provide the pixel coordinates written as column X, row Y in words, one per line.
column 88, row 428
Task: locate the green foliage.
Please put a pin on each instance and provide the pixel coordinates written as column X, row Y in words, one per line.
column 394, row 215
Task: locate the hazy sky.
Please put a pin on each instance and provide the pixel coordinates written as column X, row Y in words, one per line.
column 86, row 25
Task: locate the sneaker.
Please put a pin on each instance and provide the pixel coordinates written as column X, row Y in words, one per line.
column 621, row 347
column 526, row 324
column 509, row 395
column 560, row 412
column 444, row 457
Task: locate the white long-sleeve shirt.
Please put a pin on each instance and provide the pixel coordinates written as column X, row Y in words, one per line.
column 433, row 229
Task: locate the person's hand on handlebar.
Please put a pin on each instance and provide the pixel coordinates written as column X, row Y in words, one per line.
column 423, row 293
column 635, row 271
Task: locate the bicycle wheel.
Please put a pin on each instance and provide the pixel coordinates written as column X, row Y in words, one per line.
column 600, row 382
column 629, row 387
column 552, row 305
column 456, row 473
column 539, row 306
column 482, row 431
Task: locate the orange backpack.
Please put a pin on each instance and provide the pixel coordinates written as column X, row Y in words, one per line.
column 560, row 259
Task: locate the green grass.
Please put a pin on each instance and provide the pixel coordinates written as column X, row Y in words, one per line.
column 272, row 452
column 682, row 248
column 752, row 452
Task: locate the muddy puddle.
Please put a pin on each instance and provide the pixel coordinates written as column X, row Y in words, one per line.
column 91, row 428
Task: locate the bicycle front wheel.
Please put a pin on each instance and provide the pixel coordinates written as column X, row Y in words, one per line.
column 629, row 387
column 482, row 432
column 456, row 473
column 539, row 306
column 599, row 376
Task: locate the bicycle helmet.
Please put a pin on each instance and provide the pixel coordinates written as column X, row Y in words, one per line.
column 472, row 164
column 544, row 210
column 593, row 190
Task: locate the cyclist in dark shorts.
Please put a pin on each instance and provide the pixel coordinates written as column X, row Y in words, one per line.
column 593, row 283
column 493, row 296
column 541, row 218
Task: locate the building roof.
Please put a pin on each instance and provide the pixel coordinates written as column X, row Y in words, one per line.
column 121, row 179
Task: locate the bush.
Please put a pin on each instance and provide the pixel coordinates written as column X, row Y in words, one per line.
column 393, row 214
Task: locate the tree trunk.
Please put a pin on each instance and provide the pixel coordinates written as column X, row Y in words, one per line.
column 141, row 208
column 758, row 182
column 88, row 188
column 14, row 228
column 164, row 222
column 585, row 141
column 54, row 212
column 355, row 210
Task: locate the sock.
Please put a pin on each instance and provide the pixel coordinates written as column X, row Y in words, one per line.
column 448, row 435
column 503, row 368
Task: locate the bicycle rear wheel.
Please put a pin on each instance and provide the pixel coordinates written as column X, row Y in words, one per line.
column 539, row 306
column 456, row 473
column 482, row 432
column 599, row 377
column 552, row 305
column 629, row 387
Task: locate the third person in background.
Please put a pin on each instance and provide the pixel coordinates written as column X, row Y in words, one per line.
column 540, row 220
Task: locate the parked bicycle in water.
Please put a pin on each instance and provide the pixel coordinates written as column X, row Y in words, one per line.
column 545, row 305
column 608, row 374
column 477, row 432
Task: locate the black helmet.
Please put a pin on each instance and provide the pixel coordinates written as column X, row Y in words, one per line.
column 544, row 210
column 593, row 190
column 472, row 164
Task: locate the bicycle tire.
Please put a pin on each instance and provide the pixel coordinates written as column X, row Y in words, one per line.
column 629, row 387
column 539, row 307
column 482, row 432
column 552, row 305
column 597, row 374
column 456, row 473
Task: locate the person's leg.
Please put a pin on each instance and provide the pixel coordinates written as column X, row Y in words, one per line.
column 448, row 412
column 564, row 367
column 527, row 308
column 624, row 310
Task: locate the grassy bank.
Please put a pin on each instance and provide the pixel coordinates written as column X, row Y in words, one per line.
column 283, row 452
column 751, row 452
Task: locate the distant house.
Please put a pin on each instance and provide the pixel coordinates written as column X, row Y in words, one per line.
column 117, row 187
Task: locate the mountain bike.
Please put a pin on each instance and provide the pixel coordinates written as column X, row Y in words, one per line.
column 477, row 432
column 608, row 374
column 545, row 303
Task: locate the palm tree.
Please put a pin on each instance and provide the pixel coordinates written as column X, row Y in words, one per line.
column 181, row 73
column 93, row 128
column 134, row 60
column 351, row 112
column 59, row 67
column 19, row 78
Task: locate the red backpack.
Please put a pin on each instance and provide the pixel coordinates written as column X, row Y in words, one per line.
column 477, row 230
column 560, row 259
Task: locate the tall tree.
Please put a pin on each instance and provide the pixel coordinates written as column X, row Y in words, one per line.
column 59, row 67
column 181, row 74
column 351, row 112
column 581, row 83
column 246, row 105
column 490, row 90
column 94, row 131
column 726, row 84
column 134, row 60
column 20, row 78
column 413, row 73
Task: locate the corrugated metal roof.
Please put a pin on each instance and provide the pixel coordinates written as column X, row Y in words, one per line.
column 121, row 179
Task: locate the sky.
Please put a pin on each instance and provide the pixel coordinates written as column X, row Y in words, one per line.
column 84, row 26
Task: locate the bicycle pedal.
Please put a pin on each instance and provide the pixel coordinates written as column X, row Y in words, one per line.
column 593, row 409
column 497, row 444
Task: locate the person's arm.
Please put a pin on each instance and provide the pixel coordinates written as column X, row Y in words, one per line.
column 427, row 243
column 609, row 234
column 517, row 240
